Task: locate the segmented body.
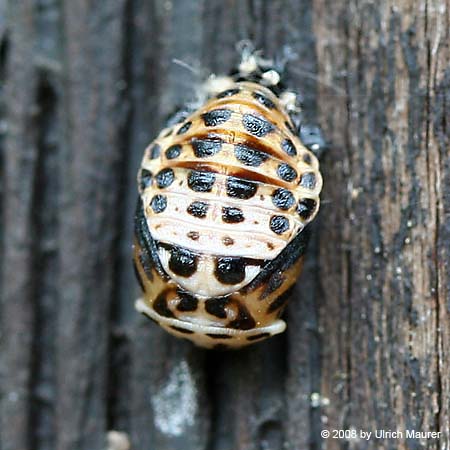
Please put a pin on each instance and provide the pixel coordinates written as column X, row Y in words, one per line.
column 224, row 197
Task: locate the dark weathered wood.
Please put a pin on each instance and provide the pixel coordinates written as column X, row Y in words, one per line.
column 84, row 86
column 384, row 267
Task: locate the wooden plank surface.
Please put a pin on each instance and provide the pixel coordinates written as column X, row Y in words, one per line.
column 84, row 86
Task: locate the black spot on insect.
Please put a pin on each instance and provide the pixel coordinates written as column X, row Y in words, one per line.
column 158, row 203
column 155, row 151
column 184, row 128
column 194, row 235
column 216, row 307
column 264, row 100
column 283, row 199
column 146, row 179
column 200, row 181
column 198, row 209
column 279, row 224
column 161, row 307
column 288, row 146
column 138, row 277
column 228, row 93
column 256, row 337
column 230, row 270
column 232, row 215
column 164, row 178
column 239, row 188
column 286, row 172
column 227, row 241
column 204, row 148
column 244, row 320
column 181, row 330
column 168, row 132
column 257, row 126
column 187, row 302
column 308, row 180
column 280, row 301
column 216, row 117
column 249, row 156
column 306, row 207
column 219, row 336
column 183, row 262
column 307, row 158
column 173, row 151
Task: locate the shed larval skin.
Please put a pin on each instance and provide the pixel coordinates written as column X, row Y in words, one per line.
column 225, row 196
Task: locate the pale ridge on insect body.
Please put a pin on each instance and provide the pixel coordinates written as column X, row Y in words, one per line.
column 225, row 196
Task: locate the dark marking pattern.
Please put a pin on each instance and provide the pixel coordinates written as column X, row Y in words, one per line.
column 286, row 172
column 244, row 320
column 256, row 337
column 257, row 126
column 280, row 301
column 146, row 264
column 204, row 148
column 306, row 207
column 279, row 224
column 138, row 277
column 288, row 146
column 275, row 282
column 160, row 306
column 218, row 336
column 307, row 158
column 308, row 180
column 173, row 151
column 181, row 330
column 187, row 302
column 249, row 156
column 148, row 252
column 291, row 128
column 194, row 235
column 164, row 178
column 264, row 100
column 184, row 128
column 155, row 151
column 158, row 203
column 183, row 262
column 228, row 93
column 146, row 179
column 230, row 270
column 201, row 181
column 289, row 256
column 216, row 117
column 227, row 241
column 239, row 188
column 216, row 307
column 283, row 199
column 232, row 215
column 198, row 209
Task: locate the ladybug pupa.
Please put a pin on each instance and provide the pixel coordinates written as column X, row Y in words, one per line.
column 225, row 197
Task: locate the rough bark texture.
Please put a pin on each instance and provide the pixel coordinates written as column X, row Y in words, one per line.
column 84, row 86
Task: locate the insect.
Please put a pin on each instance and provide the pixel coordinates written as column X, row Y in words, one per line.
column 225, row 196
